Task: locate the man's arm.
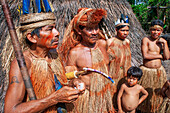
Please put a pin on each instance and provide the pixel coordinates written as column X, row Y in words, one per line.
column 108, row 42
column 102, row 44
column 72, row 57
column 165, row 48
column 145, row 49
column 14, row 100
column 119, row 98
column 144, row 96
column 164, row 88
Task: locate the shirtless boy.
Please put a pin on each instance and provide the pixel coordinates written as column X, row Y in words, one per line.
column 128, row 96
column 154, row 75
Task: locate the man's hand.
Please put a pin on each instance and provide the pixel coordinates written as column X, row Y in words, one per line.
column 66, row 95
column 78, row 84
column 121, row 111
column 162, row 42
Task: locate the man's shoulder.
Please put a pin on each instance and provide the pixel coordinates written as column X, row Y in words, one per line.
column 145, row 39
column 101, row 42
column 110, row 40
column 27, row 58
column 14, row 66
column 123, row 85
column 77, row 49
column 139, row 86
column 127, row 40
column 163, row 39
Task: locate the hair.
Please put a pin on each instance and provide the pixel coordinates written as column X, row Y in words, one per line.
column 81, row 27
column 121, row 26
column 134, row 72
column 157, row 22
column 36, row 31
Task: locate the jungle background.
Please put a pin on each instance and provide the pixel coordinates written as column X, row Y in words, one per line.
column 140, row 13
column 147, row 10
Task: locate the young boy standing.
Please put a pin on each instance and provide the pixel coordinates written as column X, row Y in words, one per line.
column 154, row 49
column 128, row 96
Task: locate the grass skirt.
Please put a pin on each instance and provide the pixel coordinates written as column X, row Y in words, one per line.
column 152, row 80
column 165, row 106
column 98, row 99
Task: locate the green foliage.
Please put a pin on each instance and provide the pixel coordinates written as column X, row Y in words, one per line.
column 145, row 15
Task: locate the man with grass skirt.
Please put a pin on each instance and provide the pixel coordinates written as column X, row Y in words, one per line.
column 154, row 49
column 82, row 47
column 46, row 71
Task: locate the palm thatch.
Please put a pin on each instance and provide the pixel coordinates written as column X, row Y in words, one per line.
column 64, row 11
column 6, row 49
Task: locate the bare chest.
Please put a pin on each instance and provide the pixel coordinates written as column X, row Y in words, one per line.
column 84, row 59
column 154, row 47
column 132, row 91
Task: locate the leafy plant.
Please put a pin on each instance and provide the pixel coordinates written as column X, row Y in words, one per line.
column 148, row 10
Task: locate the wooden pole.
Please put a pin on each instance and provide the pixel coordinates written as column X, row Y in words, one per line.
column 18, row 51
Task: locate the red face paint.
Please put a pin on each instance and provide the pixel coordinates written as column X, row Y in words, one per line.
column 47, row 40
column 54, row 43
column 159, row 34
column 44, row 40
column 155, row 33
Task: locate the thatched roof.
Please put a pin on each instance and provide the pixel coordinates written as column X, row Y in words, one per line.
column 65, row 10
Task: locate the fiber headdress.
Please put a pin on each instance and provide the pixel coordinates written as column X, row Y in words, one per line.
column 88, row 17
column 39, row 15
column 28, row 22
column 85, row 17
column 156, row 27
column 156, row 24
column 122, row 21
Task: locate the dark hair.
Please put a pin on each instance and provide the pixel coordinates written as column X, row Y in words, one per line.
column 135, row 72
column 81, row 27
column 157, row 22
column 36, row 31
column 121, row 26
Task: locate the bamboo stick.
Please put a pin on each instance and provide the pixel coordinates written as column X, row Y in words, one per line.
column 18, row 52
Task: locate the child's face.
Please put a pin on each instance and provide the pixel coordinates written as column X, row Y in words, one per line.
column 132, row 80
column 155, row 32
column 122, row 33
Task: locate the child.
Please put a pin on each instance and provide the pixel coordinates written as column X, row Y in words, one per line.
column 128, row 96
column 154, row 74
column 118, row 48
